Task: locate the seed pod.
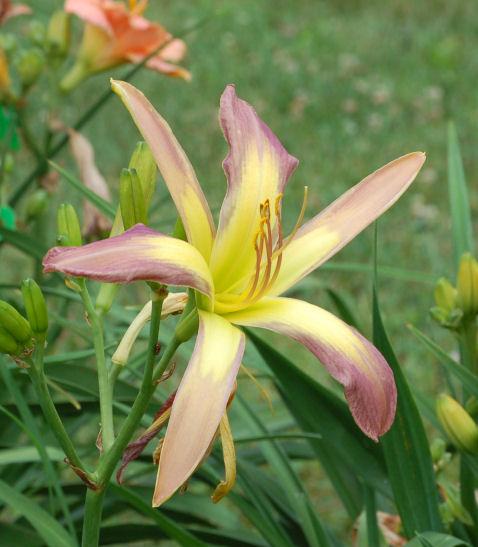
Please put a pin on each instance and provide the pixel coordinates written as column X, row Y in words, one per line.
column 458, row 424
column 15, row 324
column 69, row 231
column 35, row 307
column 132, row 203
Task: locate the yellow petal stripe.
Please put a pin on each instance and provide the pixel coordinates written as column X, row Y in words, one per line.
column 200, row 402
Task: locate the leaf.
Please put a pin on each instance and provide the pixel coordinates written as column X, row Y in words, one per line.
column 406, row 449
column 47, row 527
column 459, row 202
column 168, row 526
column 433, row 539
column 23, row 243
column 106, row 208
column 26, row 454
column 344, row 448
column 466, row 377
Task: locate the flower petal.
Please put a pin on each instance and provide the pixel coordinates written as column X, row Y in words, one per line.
column 91, row 11
column 174, row 166
column 329, row 231
column 138, row 254
column 257, row 168
column 350, row 358
column 199, row 403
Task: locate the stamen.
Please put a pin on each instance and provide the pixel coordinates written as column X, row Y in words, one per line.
column 262, row 390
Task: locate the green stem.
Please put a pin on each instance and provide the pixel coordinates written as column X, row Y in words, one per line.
column 140, row 405
column 92, row 518
column 37, row 376
column 106, row 401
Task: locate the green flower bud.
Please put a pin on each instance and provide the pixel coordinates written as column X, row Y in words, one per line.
column 458, row 424
column 445, row 295
column 29, row 64
column 35, row 306
column 69, row 231
column 59, row 34
column 143, row 162
column 437, row 449
column 132, row 203
column 37, row 33
column 37, row 204
column 8, row 344
column 187, row 327
column 467, row 285
column 15, row 324
column 8, row 42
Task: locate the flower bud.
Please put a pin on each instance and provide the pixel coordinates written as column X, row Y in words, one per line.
column 59, row 34
column 437, row 449
column 458, row 424
column 142, row 161
column 37, row 32
column 132, row 203
column 14, row 324
column 8, row 344
column 37, row 204
column 69, row 231
column 467, row 285
column 187, row 327
column 445, row 295
column 35, row 307
column 29, row 64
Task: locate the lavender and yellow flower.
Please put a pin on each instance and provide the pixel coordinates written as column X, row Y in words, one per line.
column 240, row 271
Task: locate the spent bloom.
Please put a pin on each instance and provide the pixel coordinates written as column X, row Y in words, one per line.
column 116, row 33
column 239, row 271
column 9, row 10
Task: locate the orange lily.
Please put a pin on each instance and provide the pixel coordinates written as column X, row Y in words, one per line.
column 115, row 34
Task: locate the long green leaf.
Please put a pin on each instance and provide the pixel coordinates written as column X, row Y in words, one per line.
column 47, row 527
column 317, row 410
column 23, row 243
column 100, row 203
column 24, row 454
column 433, row 539
column 466, row 377
column 459, row 201
column 406, row 449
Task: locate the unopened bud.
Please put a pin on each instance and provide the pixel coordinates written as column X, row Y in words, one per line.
column 8, row 344
column 143, row 162
column 187, row 327
column 37, row 204
column 445, row 295
column 132, row 203
column 467, row 285
column 37, row 32
column 35, row 307
column 458, row 424
column 437, row 449
column 69, row 231
column 59, row 34
column 29, row 64
column 15, row 324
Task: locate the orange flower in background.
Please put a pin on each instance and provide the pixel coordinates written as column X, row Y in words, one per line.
column 115, row 34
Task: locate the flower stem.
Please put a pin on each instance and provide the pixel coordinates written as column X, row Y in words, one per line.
column 37, row 376
column 106, row 401
column 92, row 518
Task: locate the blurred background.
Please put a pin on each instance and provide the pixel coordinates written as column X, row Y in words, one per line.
column 347, row 86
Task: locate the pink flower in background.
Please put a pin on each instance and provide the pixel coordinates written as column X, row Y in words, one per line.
column 9, row 10
column 115, row 34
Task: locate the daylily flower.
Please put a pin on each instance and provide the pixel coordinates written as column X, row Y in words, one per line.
column 114, row 35
column 240, row 270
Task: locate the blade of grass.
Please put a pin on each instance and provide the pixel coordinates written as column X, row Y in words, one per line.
column 459, row 201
